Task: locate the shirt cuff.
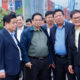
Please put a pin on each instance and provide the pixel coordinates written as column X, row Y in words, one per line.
column 2, row 70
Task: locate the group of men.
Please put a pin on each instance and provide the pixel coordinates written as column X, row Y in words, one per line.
column 49, row 45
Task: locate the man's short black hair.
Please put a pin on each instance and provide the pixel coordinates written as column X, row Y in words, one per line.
column 74, row 12
column 20, row 16
column 37, row 14
column 58, row 10
column 49, row 13
column 29, row 20
column 7, row 18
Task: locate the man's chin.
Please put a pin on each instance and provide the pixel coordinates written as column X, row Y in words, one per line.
column 60, row 23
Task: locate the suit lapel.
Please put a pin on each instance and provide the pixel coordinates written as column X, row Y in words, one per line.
column 53, row 32
column 45, row 31
column 72, row 37
column 66, row 30
column 8, row 36
column 15, row 33
column 25, row 27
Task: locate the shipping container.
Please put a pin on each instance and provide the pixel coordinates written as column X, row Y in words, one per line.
column 18, row 4
column 11, row 5
column 5, row 4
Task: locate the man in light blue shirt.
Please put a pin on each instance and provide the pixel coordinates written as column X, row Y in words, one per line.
column 59, row 46
column 59, row 42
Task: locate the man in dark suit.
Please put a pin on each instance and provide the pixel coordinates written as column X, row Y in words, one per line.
column 49, row 24
column 74, row 56
column 59, row 43
column 20, row 26
column 10, row 54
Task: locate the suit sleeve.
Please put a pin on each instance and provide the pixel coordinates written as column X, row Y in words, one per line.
column 52, row 55
column 70, row 52
column 2, row 53
column 23, row 43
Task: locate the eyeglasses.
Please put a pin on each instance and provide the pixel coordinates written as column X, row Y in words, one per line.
column 37, row 19
column 76, row 18
column 58, row 16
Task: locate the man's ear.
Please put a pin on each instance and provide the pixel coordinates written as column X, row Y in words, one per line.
column 6, row 24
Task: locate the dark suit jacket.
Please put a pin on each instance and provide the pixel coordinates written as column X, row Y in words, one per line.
column 50, row 56
column 73, row 49
column 68, row 28
column 45, row 27
column 25, row 42
column 16, row 30
column 9, row 54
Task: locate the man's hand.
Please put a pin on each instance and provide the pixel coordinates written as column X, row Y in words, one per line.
column 53, row 66
column 2, row 75
column 70, row 69
column 28, row 65
column 49, row 65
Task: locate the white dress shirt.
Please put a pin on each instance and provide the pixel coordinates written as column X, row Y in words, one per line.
column 19, row 31
column 48, row 30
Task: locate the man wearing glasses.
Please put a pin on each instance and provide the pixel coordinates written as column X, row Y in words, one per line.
column 75, row 44
column 34, row 43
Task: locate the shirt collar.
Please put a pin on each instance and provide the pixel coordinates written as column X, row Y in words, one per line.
column 36, row 29
column 62, row 26
column 20, row 28
column 11, row 33
column 51, row 26
column 77, row 29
